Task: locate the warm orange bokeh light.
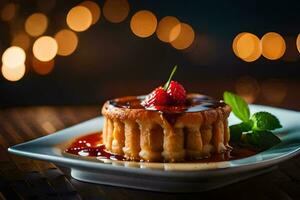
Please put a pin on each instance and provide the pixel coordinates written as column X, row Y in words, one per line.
column 13, row 57
column 247, row 47
column 45, row 48
column 94, row 9
column 143, row 23
column 79, row 18
column 273, row 46
column 42, row 68
column 298, row 42
column 185, row 38
column 168, row 29
column 8, row 12
column 248, row 88
column 36, row 24
column 67, row 42
column 116, row 11
column 274, row 91
column 21, row 40
column 13, row 74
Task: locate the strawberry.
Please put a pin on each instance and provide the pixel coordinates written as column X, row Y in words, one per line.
column 177, row 93
column 172, row 94
column 157, row 97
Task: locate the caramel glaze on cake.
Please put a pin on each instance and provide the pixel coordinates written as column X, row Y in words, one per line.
column 192, row 132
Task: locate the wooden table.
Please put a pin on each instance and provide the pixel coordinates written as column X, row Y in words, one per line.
column 22, row 178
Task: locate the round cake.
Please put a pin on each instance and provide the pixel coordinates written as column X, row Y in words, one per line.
column 172, row 133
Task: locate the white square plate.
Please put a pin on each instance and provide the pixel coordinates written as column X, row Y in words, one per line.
column 168, row 177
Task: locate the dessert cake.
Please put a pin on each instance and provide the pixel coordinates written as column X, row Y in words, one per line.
column 167, row 125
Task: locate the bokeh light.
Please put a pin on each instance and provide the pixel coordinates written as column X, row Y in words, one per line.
column 274, row 91
column 67, row 42
column 248, row 88
column 247, row 46
column 8, row 12
column 273, row 46
column 45, row 48
column 36, row 24
column 42, row 68
column 143, row 23
column 94, row 9
column 13, row 74
column 168, row 29
column 298, row 42
column 185, row 38
column 21, row 40
column 116, row 11
column 79, row 18
column 13, row 57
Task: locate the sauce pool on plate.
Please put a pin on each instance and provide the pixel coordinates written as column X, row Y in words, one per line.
column 91, row 145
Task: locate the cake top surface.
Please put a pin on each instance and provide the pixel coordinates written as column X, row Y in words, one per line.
column 193, row 103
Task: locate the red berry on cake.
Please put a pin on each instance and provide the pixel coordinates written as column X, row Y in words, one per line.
column 172, row 94
column 177, row 93
column 157, row 97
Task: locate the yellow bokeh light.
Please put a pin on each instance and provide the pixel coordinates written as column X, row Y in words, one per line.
column 45, row 48
column 298, row 42
column 168, row 29
column 273, row 46
column 247, row 46
column 248, row 88
column 13, row 57
column 143, row 23
column 185, row 38
column 36, row 24
column 21, row 40
column 42, row 68
column 116, row 11
column 67, row 42
column 79, row 18
column 13, row 74
column 94, row 9
column 8, row 12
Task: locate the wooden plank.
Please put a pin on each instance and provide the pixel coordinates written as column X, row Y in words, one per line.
column 67, row 115
column 3, row 142
column 59, row 182
column 9, row 132
column 40, row 185
column 23, row 190
column 19, row 121
column 44, row 166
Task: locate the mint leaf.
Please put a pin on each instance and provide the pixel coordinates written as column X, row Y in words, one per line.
column 237, row 130
column 263, row 121
column 238, row 105
column 261, row 139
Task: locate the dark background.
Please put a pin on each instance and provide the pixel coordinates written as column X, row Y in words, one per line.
column 110, row 61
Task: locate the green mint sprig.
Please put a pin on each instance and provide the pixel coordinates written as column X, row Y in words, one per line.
column 238, row 105
column 254, row 130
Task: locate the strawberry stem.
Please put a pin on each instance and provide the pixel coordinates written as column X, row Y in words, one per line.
column 166, row 86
